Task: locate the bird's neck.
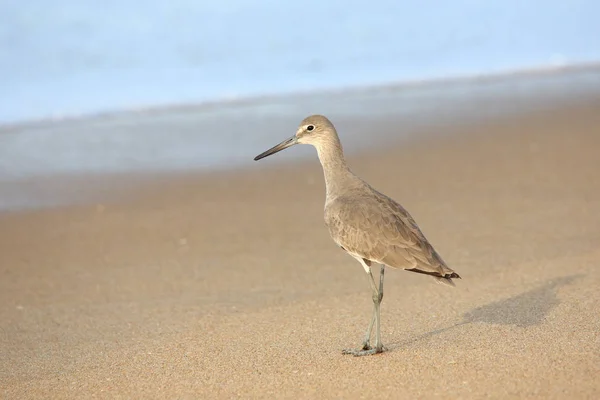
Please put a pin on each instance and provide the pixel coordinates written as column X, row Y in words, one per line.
column 338, row 176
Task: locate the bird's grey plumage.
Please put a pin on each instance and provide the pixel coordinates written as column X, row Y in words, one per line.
column 374, row 227
column 367, row 224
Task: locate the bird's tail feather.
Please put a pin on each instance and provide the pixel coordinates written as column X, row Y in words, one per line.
column 445, row 279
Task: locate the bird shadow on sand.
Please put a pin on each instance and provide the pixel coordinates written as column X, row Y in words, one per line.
column 523, row 310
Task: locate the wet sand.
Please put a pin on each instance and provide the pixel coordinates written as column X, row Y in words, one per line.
column 227, row 285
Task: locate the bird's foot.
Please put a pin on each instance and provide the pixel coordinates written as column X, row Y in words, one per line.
column 366, row 350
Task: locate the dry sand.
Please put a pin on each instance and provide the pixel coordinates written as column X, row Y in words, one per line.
column 227, row 285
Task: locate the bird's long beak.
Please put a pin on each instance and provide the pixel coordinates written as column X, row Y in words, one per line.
column 283, row 145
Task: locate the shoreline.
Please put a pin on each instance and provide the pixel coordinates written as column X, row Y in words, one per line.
column 533, row 72
column 59, row 191
column 224, row 137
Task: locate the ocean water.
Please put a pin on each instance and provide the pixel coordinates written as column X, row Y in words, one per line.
column 81, row 161
column 68, row 58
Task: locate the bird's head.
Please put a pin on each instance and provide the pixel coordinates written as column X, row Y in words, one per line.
column 315, row 130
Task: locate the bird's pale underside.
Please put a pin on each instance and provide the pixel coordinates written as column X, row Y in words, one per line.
column 367, row 224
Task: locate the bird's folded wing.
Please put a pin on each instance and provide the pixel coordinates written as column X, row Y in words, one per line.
column 379, row 229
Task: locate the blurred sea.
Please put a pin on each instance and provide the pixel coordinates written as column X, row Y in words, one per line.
column 188, row 84
column 69, row 58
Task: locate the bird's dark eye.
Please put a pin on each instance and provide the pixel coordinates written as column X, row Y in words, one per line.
column 310, row 127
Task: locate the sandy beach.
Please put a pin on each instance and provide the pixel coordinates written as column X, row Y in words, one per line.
column 227, row 284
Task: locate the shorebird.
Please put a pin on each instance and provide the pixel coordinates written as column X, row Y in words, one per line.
column 368, row 225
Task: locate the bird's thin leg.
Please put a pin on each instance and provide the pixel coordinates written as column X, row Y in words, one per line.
column 377, row 302
column 377, row 295
column 381, row 276
column 367, row 341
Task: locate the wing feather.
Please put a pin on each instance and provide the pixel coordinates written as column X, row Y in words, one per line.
column 376, row 228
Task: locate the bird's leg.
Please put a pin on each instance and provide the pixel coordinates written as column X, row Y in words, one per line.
column 377, row 302
column 381, row 276
column 377, row 295
column 367, row 341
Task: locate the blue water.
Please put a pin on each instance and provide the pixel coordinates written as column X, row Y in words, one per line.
column 68, row 57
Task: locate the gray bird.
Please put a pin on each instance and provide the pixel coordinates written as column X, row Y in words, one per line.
column 365, row 223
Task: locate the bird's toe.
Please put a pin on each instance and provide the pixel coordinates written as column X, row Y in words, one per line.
column 366, row 350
